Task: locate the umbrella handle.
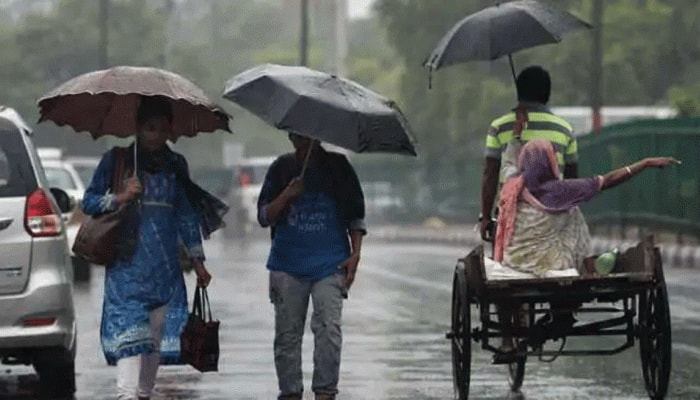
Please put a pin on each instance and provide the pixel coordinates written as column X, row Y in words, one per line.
column 135, row 158
column 306, row 158
column 512, row 67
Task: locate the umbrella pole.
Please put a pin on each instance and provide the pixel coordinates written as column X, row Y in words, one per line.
column 512, row 67
column 135, row 158
column 306, row 158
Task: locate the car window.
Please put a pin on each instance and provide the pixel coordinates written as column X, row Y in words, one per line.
column 16, row 172
column 85, row 172
column 252, row 174
column 60, row 178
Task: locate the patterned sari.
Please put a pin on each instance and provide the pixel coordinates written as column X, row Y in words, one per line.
column 540, row 226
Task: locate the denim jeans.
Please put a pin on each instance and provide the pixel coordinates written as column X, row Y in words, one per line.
column 290, row 297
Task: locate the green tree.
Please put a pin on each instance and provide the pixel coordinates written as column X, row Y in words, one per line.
column 449, row 118
column 649, row 57
column 46, row 48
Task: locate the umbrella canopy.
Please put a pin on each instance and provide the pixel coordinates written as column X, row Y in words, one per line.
column 105, row 102
column 501, row 30
column 323, row 107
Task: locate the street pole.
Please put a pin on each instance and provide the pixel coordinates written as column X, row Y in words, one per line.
column 169, row 31
column 103, row 54
column 341, row 37
column 597, row 66
column 304, row 34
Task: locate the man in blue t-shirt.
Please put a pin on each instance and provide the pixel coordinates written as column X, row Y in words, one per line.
column 317, row 224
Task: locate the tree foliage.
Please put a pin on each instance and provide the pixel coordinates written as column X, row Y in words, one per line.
column 649, row 58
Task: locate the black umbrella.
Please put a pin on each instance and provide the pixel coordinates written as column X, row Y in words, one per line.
column 322, row 107
column 502, row 30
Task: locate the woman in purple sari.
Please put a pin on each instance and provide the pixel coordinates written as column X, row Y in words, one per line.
column 540, row 227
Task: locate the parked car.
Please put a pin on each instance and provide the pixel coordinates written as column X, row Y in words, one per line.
column 37, row 317
column 251, row 174
column 84, row 166
column 62, row 174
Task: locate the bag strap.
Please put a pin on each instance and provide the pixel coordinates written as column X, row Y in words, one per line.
column 118, row 171
column 206, row 304
column 201, row 304
column 197, row 303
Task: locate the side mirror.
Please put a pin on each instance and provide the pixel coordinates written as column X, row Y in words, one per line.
column 65, row 202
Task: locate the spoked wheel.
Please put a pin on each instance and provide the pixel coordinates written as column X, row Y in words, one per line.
column 461, row 335
column 655, row 340
column 516, row 369
column 516, row 374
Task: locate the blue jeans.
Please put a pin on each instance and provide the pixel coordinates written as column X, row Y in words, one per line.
column 290, row 297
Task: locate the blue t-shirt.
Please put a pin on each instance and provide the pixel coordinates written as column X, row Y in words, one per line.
column 313, row 241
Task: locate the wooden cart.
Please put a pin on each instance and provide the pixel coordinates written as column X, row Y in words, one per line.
column 632, row 302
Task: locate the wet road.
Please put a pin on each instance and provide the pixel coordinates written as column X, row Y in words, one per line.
column 394, row 345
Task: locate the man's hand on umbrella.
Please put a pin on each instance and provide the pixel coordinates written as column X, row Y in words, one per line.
column 295, row 188
column 131, row 191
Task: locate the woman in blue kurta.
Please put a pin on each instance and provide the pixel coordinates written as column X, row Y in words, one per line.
column 145, row 303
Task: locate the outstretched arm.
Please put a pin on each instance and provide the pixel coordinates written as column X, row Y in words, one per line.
column 617, row 176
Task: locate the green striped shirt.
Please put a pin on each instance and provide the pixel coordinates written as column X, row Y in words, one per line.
column 542, row 124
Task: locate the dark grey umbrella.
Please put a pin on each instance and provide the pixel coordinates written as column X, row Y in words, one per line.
column 323, row 107
column 502, row 30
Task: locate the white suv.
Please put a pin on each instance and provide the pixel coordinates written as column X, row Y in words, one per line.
column 63, row 175
column 251, row 174
column 37, row 318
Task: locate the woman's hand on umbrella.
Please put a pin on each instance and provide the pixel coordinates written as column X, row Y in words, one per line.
column 131, row 191
column 203, row 276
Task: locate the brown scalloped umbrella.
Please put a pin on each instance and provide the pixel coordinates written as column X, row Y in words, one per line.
column 105, row 102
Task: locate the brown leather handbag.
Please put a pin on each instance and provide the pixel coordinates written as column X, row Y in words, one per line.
column 98, row 235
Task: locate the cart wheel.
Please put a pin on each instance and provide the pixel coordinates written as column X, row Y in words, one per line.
column 516, row 369
column 655, row 340
column 516, row 374
column 461, row 335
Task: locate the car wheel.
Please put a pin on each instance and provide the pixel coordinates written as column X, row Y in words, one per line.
column 56, row 370
column 81, row 269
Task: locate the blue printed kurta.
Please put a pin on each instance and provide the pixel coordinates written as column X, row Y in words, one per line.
column 152, row 277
